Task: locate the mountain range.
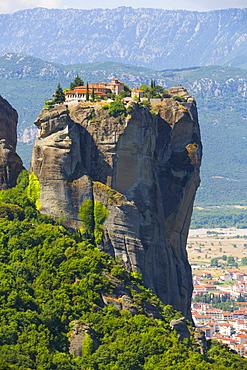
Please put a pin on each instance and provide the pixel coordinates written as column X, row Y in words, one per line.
column 153, row 38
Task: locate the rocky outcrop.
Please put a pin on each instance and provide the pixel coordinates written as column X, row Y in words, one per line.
column 181, row 328
column 121, row 298
column 10, row 162
column 80, row 336
column 143, row 166
column 200, row 341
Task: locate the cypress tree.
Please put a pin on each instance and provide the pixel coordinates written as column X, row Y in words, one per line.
column 59, row 96
column 93, row 95
column 87, row 93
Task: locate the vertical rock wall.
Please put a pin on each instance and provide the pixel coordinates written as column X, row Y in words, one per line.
column 144, row 166
column 10, row 163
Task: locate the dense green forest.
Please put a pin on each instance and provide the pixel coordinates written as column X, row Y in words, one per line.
column 53, row 280
column 211, row 217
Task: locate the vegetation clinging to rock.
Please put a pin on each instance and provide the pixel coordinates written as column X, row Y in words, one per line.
column 178, row 98
column 116, row 108
column 93, row 215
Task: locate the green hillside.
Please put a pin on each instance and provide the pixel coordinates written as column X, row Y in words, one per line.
column 55, row 284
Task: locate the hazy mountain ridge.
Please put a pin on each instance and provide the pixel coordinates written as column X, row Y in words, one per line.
column 202, row 81
column 153, row 38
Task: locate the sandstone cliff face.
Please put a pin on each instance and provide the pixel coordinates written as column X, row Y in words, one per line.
column 145, row 169
column 10, row 162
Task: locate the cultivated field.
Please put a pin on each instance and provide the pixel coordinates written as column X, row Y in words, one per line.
column 205, row 244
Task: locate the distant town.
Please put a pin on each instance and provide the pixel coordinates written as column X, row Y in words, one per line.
column 219, row 301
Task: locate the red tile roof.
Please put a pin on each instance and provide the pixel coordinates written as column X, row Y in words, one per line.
column 83, row 91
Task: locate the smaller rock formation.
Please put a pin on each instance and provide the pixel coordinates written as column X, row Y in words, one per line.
column 10, row 163
column 181, row 328
column 122, row 300
column 200, row 341
column 79, row 334
column 8, row 123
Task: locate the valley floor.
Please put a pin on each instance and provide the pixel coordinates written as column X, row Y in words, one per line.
column 224, row 232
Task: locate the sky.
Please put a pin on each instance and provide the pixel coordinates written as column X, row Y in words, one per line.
column 11, row 6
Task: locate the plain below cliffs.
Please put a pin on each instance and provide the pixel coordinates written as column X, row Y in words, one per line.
column 143, row 165
column 10, row 163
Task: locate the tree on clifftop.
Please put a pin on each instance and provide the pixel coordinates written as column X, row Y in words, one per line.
column 93, row 95
column 59, row 96
column 77, row 82
column 87, row 92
